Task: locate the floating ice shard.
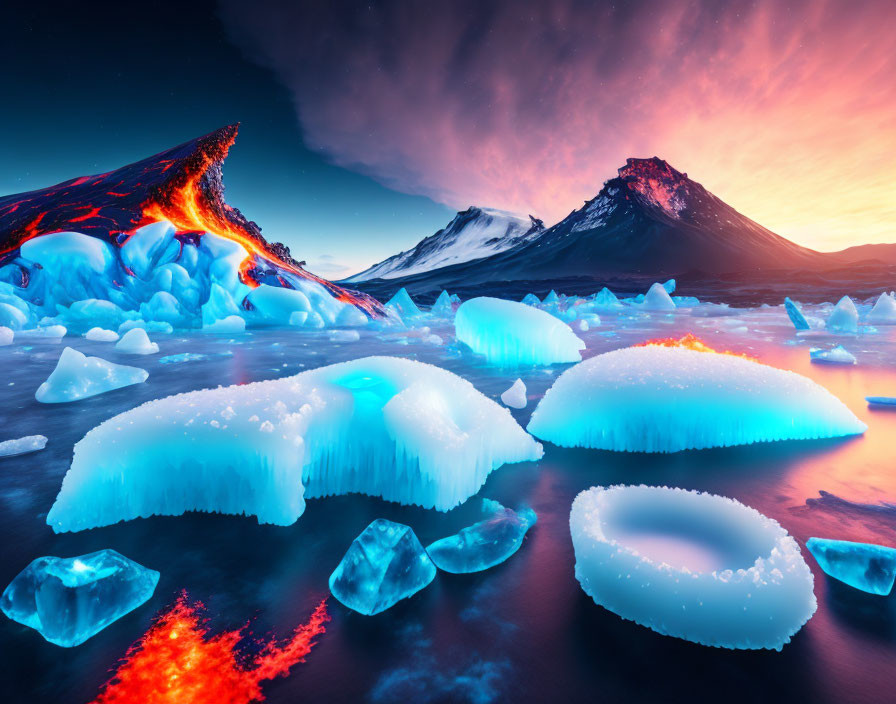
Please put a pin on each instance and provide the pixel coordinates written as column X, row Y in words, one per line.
column 484, row 544
column 402, row 304
column 884, row 311
column 865, row 566
column 666, row 399
column 669, row 286
column 796, row 315
column 77, row 376
column 512, row 334
column 21, row 446
column 6, row 336
column 68, row 600
column 442, row 308
column 695, row 566
column 883, row 401
column 183, row 357
column 837, row 355
column 383, row 565
column 101, row 335
column 530, row 299
column 844, row 317
column 403, row 430
column 658, row 298
column 515, row 396
column 136, row 341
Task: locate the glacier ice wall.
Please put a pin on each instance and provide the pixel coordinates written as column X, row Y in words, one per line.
column 399, row 429
column 667, row 399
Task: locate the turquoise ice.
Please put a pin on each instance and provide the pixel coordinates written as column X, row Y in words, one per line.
column 69, row 599
column 383, row 565
column 796, row 315
column 844, row 318
column 484, row 544
column 77, row 376
column 871, row 568
column 442, row 308
column 403, row 304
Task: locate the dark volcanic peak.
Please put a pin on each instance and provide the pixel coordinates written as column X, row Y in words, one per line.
column 658, row 182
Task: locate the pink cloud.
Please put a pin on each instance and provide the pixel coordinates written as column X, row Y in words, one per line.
column 788, row 112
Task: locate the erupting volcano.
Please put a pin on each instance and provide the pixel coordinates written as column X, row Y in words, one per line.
column 176, row 662
column 183, row 186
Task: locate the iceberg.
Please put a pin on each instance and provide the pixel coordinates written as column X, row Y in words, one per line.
column 148, row 326
column 865, row 566
column 530, row 299
column 606, row 299
column 6, row 336
column 844, row 318
column 670, row 286
column 657, row 298
column 101, row 335
column 513, row 334
column 68, row 600
column 402, row 304
column 383, row 565
column 515, row 396
column 666, row 399
column 884, row 311
column 136, row 341
column 21, row 446
column 77, row 376
column 552, row 298
column 394, row 428
column 837, row 355
column 442, row 308
column 696, row 566
column 796, row 315
column 230, row 325
column 484, row 544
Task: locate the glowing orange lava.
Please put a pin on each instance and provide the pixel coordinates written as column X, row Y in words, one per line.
column 177, row 663
column 690, row 342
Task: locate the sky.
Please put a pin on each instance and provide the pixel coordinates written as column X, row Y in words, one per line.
column 366, row 125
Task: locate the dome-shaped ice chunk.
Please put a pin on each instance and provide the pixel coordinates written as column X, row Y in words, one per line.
column 666, row 399
column 696, row 566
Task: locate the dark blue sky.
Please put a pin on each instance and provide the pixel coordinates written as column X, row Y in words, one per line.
column 88, row 88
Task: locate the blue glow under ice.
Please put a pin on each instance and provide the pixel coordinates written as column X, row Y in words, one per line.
column 695, row 566
column 68, row 600
column 383, row 565
column 77, row 376
column 484, row 544
column 513, row 334
column 666, row 399
column 796, row 315
column 871, row 568
column 383, row 426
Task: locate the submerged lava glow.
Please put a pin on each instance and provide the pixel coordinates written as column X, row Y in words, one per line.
column 177, row 663
column 690, row 342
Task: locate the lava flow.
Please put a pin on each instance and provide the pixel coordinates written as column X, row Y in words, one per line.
column 689, row 342
column 177, row 663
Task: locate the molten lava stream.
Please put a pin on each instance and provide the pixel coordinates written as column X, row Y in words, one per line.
column 176, row 662
column 690, row 342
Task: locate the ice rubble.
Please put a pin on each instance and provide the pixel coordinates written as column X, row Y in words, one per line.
column 77, row 376
column 884, row 311
column 382, row 566
column 21, row 446
column 484, row 544
column 157, row 277
column 666, row 399
column 865, row 566
column 837, row 355
column 696, row 566
column 796, row 315
column 68, row 600
column 136, row 341
column 515, row 396
column 514, row 334
column 395, row 428
column 844, row 318
column 657, row 298
column 101, row 335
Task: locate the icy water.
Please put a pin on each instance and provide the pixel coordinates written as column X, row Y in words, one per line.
column 522, row 631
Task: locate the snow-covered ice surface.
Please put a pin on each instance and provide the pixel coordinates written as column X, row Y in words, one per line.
column 697, row 566
column 486, row 636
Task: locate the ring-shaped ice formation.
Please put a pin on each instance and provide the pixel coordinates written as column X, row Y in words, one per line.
column 696, row 566
column 667, row 399
column 395, row 428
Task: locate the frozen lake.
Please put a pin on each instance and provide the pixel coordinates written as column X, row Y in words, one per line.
column 523, row 630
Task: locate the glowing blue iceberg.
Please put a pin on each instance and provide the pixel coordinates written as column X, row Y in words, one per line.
column 515, row 396
column 695, row 566
column 666, row 399
column 484, row 544
column 77, row 376
column 844, row 318
column 884, row 311
column 383, row 565
column 402, row 430
column 837, row 355
column 606, row 299
column 514, row 334
column 136, row 341
column 796, row 315
column 402, row 304
column 871, row 568
column 68, row 600
column 657, row 298
column 442, row 308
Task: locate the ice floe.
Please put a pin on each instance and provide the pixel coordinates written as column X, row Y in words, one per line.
column 21, row 446
column 515, row 396
column 865, row 566
column 136, row 341
column 78, row 376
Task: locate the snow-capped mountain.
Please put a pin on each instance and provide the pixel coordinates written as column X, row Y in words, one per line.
column 651, row 219
column 472, row 234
